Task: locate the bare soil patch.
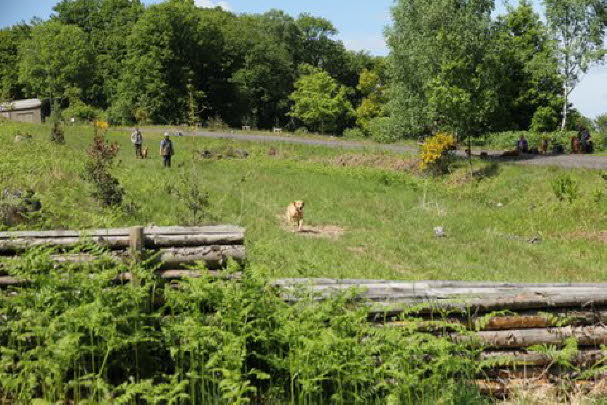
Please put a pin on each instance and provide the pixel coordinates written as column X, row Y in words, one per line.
column 317, row 231
column 382, row 161
column 597, row 236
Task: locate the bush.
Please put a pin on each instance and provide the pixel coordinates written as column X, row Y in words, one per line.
column 302, row 131
column 565, row 188
column 545, row 119
column 507, row 140
column 435, row 156
column 74, row 335
column 107, row 188
column 383, row 130
column 216, row 123
column 354, row 133
column 83, row 113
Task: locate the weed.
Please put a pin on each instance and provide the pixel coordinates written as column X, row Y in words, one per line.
column 565, row 188
column 107, row 188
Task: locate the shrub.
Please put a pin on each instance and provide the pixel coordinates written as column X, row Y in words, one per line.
column 101, row 155
column 216, row 123
column 545, row 119
column 435, row 156
column 354, row 133
column 82, row 112
column 383, row 130
column 302, row 131
column 565, row 188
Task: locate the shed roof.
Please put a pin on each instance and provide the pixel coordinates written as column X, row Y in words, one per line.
column 21, row 105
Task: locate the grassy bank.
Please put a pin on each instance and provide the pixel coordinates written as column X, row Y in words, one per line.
column 371, row 220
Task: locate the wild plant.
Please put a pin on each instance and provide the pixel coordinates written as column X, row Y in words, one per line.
column 100, row 157
column 565, row 188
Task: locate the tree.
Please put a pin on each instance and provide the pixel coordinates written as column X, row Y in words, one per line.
column 442, row 75
column 601, row 123
column 373, row 88
column 578, row 27
column 528, row 78
column 55, row 60
column 10, row 39
column 319, row 101
column 108, row 24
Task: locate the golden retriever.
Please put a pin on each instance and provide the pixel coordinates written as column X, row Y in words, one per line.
column 144, row 153
column 295, row 214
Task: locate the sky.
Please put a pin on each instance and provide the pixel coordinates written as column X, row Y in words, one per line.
column 360, row 23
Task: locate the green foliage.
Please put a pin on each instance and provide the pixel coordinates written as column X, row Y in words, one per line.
column 565, row 188
column 74, row 334
column 601, row 123
column 319, row 101
column 10, row 40
column 545, row 119
column 578, row 27
column 440, row 65
column 54, row 60
column 507, row 140
column 529, row 84
column 107, row 188
column 82, row 112
column 354, row 133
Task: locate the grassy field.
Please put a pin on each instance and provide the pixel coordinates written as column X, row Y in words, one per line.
column 385, row 212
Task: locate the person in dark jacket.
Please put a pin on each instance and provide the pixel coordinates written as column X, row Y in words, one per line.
column 166, row 150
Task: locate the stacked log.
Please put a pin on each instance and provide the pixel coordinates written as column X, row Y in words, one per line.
column 174, row 248
column 507, row 321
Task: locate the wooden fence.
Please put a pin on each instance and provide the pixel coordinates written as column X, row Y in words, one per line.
column 175, row 248
column 504, row 320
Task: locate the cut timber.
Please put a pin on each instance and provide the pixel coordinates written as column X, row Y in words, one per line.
column 584, row 335
column 427, row 284
column 214, row 257
column 524, row 358
column 120, row 238
column 155, row 230
column 6, row 281
column 538, row 319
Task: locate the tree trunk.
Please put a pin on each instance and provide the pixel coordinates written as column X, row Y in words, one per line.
column 565, row 107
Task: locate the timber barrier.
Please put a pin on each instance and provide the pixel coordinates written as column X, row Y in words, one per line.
column 506, row 322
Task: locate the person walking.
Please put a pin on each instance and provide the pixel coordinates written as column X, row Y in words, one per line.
column 167, row 150
column 137, row 140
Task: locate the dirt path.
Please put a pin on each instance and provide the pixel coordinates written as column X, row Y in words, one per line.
column 564, row 161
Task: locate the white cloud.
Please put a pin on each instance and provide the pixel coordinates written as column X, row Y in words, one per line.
column 212, row 4
column 375, row 44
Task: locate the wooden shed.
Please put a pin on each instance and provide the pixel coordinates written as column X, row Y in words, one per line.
column 29, row 110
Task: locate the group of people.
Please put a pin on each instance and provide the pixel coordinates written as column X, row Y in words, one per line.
column 581, row 143
column 167, row 150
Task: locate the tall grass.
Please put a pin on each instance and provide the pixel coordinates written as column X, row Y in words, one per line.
column 75, row 335
column 387, row 216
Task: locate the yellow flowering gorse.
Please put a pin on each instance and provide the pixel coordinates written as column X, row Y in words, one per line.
column 435, row 148
column 103, row 125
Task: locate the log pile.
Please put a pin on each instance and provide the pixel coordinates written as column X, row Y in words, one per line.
column 174, row 248
column 507, row 321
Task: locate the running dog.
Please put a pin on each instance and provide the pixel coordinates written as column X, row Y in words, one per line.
column 295, row 214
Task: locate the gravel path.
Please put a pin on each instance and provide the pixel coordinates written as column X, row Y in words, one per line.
column 564, row 161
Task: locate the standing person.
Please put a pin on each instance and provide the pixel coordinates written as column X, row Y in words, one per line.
column 585, row 139
column 137, row 139
column 522, row 145
column 166, row 150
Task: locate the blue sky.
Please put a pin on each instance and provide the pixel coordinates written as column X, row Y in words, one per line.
column 360, row 24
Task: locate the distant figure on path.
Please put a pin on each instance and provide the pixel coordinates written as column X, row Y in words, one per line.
column 522, row 145
column 166, row 150
column 137, row 140
column 585, row 139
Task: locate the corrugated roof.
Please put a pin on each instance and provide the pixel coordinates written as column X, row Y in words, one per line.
column 21, row 105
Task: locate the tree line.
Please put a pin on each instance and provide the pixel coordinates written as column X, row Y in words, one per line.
column 451, row 66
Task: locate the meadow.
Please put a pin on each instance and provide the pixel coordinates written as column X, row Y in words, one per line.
column 67, row 337
column 374, row 212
